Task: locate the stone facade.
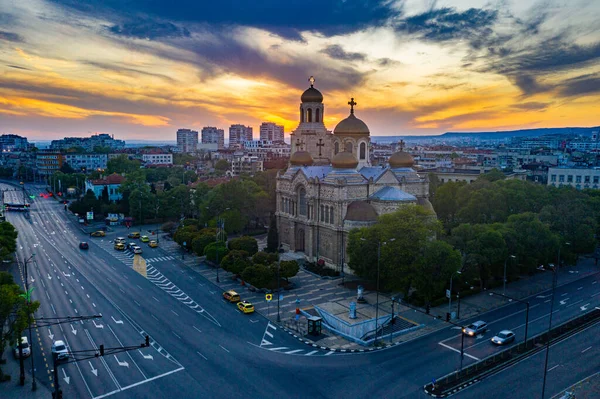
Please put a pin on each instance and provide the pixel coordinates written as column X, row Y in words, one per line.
column 329, row 190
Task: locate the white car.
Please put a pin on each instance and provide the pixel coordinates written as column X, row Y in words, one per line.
column 137, row 250
column 25, row 348
column 503, row 337
column 60, row 348
column 479, row 327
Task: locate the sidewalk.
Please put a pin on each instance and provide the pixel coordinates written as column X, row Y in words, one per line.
column 588, row 388
column 470, row 306
column 12, row 388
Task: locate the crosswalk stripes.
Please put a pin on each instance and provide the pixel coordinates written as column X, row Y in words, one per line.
column 162, row 282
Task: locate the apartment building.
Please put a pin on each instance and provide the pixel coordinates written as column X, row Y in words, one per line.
column 187, row 140
column 238, row 134
column 271, row 131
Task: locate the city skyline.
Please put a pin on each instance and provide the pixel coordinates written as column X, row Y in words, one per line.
column 414, row 68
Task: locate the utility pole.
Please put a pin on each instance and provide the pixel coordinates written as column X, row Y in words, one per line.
column 33, row 383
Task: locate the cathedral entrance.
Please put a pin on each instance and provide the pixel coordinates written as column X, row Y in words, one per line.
column 300, row 240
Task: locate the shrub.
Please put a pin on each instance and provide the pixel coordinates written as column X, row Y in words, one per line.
column 236, row 262
column 201, row 241
column 244, row 243
column 264, row 258
column 216, row 251
column 260, row 276
column 168, row 227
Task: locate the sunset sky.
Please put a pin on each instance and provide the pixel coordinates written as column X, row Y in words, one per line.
column 141, row 69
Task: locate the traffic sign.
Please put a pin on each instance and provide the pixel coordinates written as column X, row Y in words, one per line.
column 268, row 297
column 448, row 294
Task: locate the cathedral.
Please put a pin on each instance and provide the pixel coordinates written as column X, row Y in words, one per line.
column 330, row 186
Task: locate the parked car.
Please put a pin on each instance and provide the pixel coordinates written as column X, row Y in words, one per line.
column 144, row 239
column 98, row 233
column 60, row 348
column 245, row 307
column 503, row 337
column 25, row 348
column 83, row 245
column 231, row 296
column 134, row 234
column 479, row 327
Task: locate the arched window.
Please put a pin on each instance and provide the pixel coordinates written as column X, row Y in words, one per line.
column 301, row 115
column 322, row 213
column 331, row 219
column 348, row 147
column 309, row 115
column 336, row 148
column 302, row 201
column 363, row 150
column 317, row 115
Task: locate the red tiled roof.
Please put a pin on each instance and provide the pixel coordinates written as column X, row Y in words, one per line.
column 111, row 179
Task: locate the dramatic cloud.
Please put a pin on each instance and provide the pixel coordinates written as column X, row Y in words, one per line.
column 581, row 85
column 446, row 24
column 336, row 51
column 10, row 37
column 148, row 29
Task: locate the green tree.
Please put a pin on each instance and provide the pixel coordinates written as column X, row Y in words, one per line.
column 66, row 168
column 222, row 165
column 446, row 203
column 201, row 241
column 244, row 243
column 272, row 236
column 288, row 268
column 493, row 175
column 105, row 197
column 186, row 234
column 168, row 227
column 122, row 164
column 434, row 268
column 216, row 251
column 260, row 276
column 8, row 239
column 264, row 258
column 235, row 261
column 102, row 149
column 404, row 233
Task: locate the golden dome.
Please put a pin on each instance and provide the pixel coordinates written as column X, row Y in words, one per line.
column 344, row 160
column 401, row 159
column 301, row 158
column 351, row 126
column 312, row 95
column 361, row 211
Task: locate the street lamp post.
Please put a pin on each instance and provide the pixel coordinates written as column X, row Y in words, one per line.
column 504, row 282
column 450, row 296
column 278, row 279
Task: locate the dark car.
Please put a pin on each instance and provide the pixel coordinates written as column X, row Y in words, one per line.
column 83, row 245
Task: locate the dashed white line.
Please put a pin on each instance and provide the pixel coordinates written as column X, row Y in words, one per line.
column 580, row 288
column 174, row 312
column 564, row 294
column 224, row 349
column 154, row 317
column 329, row 353
column 156, row 299
column 550, row 369
column 294, row 351
column 82, row 287
column 136, row 302
column 94, row 304
column 197, row 329
column 53, row 309
column 311, row 353
column 175, row 334
column 204, row 357
column 586, row 349
column 71, row 301
column 47, row 295
column 87, row 296
column 139, row 287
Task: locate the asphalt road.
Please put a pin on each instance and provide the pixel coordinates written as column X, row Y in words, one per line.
column 204, row 347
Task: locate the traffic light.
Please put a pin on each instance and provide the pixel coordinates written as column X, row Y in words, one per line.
column 60, row 394
column 147, row 341
column 427, row 308
column 447, row 316
column 101, row 350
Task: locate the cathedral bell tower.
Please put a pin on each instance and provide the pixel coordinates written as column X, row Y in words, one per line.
column 311, row 135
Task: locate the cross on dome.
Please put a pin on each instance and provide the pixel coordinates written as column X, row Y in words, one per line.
column 401, row 145
column 312, row 81
column 352, row 103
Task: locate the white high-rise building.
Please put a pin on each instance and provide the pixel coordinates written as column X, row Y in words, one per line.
column 271, row 131
column 187, row 140
column 238, row 134
column 211, row 135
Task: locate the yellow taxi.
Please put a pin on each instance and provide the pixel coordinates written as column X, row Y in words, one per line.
column 153, row 244
column 245, row 307
column 231, row 296
column 134, row 235
column 98, row 233
column 119, row 246
column 144, row 239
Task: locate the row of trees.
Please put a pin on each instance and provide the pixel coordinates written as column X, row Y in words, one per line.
column 481, row 226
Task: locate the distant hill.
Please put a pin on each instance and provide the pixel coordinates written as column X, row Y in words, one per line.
column 498, row 135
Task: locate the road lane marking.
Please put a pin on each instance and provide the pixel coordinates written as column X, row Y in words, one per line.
column 197, row 329
column 139, row 287
column 204, row 357
column 580, row 288
column 174, row 312
column 294, row 351
column 329, row 353
column 550, row 369
column 586, row 349
column 269, row 334
column 154, row 317
column 94, row 304
column 564, row 294
column 597, row 293
column 278, row 348
column 457, row 351
column 546, row 301
column 156, row 299
column 53, row 309
column 175, row 334
column 136, row 302
column 47, row 295
column 575, row 303
column 311, row 353
column 224, row 349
